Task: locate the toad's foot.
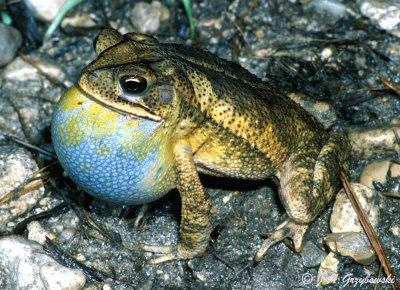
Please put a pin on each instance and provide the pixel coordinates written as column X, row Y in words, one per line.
column 171, row 253
column 287, row 229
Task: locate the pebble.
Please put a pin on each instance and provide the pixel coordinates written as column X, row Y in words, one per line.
column 97, row 286
column 56, row 276
column 80, row 20
column 324, row 112
column 344, row 218
column 368, row 143
column 38, row 234
column 149, row 18
column 379, row 171
column 312, row 255
column 348, row 236
column 207, row 28
column 326, row 53
column 21, row 70
column 45, row 10
column 28, row 267
column 16, row 166
column 10, row 41
column 386, row 13
column 328, row 271
column 354, row 245
column 331, row 7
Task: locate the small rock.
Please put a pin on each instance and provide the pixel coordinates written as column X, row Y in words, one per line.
column 344, row 218
column 97, row 286
column 45, row 10
column 80, row 20
column 395, row 230
column 330, row 7
column 38, row 234
column 66, row 235
column 324, row 112
column 10, row 41
column 21, row 70
column 386, row 13
column 28, row 267
column 312, row 255
column 56, row 276
column 207, row 28
column 379, row 171
column 326, row 53
column 16, row 166
column 328, row 271
column 354, row 245
column 149, row 18
column 367, row 142
column 20, row 259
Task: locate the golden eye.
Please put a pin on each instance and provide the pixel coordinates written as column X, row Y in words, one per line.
column 133, row 84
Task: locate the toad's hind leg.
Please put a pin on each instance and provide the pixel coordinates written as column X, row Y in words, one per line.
column 308, row 179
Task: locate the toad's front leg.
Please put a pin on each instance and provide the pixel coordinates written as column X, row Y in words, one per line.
column 195, row 225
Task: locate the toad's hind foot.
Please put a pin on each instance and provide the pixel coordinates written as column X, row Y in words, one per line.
column 171, row 253
column 174, row 252
column 288, row 229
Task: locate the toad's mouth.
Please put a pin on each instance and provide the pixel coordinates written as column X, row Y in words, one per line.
column 136, row 111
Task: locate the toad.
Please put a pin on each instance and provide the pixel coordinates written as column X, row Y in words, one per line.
column 146, row 117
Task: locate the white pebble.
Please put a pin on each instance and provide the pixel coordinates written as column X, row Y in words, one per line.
column 38, row 234
column 344, row 218
column 23, row 260
column 57, row 277
column 326, row 53
column 21, row 70
column 328, row 271
column 385, row 13
column 378, row 171
column 45, row 10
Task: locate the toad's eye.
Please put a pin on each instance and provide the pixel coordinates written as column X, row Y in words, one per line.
column 132, row 84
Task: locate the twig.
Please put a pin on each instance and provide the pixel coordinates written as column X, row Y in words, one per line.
column 373, row 238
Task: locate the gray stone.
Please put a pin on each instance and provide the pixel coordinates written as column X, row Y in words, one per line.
column 10, row 41
column 331, row 7
column 354, row 245
column 312, row 255
column 21, row 70
column 16, row 166
column 149, row 18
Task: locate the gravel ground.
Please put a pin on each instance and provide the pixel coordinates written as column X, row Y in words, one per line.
column 299, row 45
